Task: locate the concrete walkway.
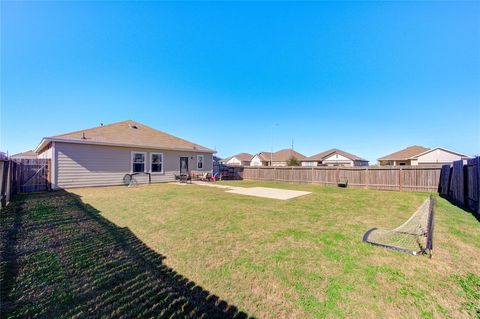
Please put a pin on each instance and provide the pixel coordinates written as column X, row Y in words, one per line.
column 266, row 192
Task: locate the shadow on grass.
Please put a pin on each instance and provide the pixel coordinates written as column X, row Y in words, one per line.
column 61, row 258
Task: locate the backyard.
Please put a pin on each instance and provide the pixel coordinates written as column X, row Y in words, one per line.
column 185, row 250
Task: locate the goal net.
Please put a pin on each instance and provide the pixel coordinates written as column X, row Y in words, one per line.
column 413, row 237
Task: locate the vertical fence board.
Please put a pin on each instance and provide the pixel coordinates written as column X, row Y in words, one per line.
column 24, row 176
column 457, row 183
column 424, row 179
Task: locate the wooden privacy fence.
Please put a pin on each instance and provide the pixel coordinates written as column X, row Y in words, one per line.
column 23, row 176
column 460, row 183
column 404, row 178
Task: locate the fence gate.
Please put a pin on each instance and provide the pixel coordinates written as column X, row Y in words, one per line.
column 32, row 175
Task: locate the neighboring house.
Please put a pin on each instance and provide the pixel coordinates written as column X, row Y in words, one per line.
column 334, row 157
column 103, row 155
column 279, row 158
column 25, row 155
column 419, row 155
column 261, row 159
column 242, row 159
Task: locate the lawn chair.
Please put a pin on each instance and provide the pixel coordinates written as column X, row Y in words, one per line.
column 205, row 177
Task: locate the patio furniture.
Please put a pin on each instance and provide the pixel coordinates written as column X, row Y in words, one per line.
column 183, row 178
column 204, row 177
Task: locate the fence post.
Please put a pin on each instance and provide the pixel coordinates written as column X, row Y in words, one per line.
column 337, row 175
column 366, row 177
column 49, row 174
column 312, row 175
column 3, row 178
column 18, row 176
column 400, row 179
column 8, row 187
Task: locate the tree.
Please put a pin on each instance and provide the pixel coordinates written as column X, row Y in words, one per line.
column 293, row 161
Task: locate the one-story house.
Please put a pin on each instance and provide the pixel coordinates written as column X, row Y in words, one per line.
column 279, row 158
column 261, row 159
column 419, row 155
column 103, row 155
column 242, row 159
column 25, row 155
column 334, row 157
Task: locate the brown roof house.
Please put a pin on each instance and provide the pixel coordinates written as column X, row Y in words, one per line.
column 419, row 155
column 242, row 159
column 334, row 157
column 25, row 155
column 279, row 158
column 103, row 155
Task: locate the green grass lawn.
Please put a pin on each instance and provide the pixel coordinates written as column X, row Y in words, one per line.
column 301, row 258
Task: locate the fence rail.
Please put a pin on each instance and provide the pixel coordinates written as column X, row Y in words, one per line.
column 405, row 178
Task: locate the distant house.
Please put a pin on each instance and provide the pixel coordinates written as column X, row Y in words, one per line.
column 279, row 158
column 242, row 159
column 104, row 155
column 25, row 155
column 334, row 157
column 261, row 159
column 419, row 155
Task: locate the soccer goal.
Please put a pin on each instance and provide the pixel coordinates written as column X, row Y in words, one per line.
column 412, row 237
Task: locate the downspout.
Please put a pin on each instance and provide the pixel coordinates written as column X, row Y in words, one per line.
column 54, row 167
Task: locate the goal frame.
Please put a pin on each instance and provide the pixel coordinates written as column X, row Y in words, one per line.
column 429, row 242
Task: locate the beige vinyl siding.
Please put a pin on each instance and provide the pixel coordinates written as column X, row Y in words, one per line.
column 437, row 156
column 80, row 165
column 46, row 154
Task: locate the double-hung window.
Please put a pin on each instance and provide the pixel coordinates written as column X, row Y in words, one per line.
column 138, row 162
column 199, row 161
column 156, row 162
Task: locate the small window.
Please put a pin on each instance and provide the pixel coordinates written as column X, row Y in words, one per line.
column 138, row 162
column 199, row 161
column 156, row 162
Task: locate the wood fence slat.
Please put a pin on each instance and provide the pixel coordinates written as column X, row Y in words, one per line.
column 425, row 179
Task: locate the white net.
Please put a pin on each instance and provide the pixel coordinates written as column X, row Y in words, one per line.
column 414, row 236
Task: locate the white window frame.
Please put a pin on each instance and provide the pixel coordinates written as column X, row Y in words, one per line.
column 203, row 162
column 151, row 162
column 132, row 153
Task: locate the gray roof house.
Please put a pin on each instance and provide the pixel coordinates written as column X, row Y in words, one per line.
column 334, row 157
column 103, row 155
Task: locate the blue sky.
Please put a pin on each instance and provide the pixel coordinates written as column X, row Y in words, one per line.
column 367, row 77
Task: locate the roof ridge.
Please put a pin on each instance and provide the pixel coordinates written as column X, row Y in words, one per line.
column 184, row 140
column 92, row 128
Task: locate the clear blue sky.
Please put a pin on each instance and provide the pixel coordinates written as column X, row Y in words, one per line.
column 369, row 78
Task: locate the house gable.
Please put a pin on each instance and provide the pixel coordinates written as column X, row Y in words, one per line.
column 233, row 161
column 439, row 155
column 337, row 158
column 256, row 161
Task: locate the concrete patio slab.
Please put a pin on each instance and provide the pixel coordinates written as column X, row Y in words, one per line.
column 215, row 185
column 274, row 193
column 266, row 192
